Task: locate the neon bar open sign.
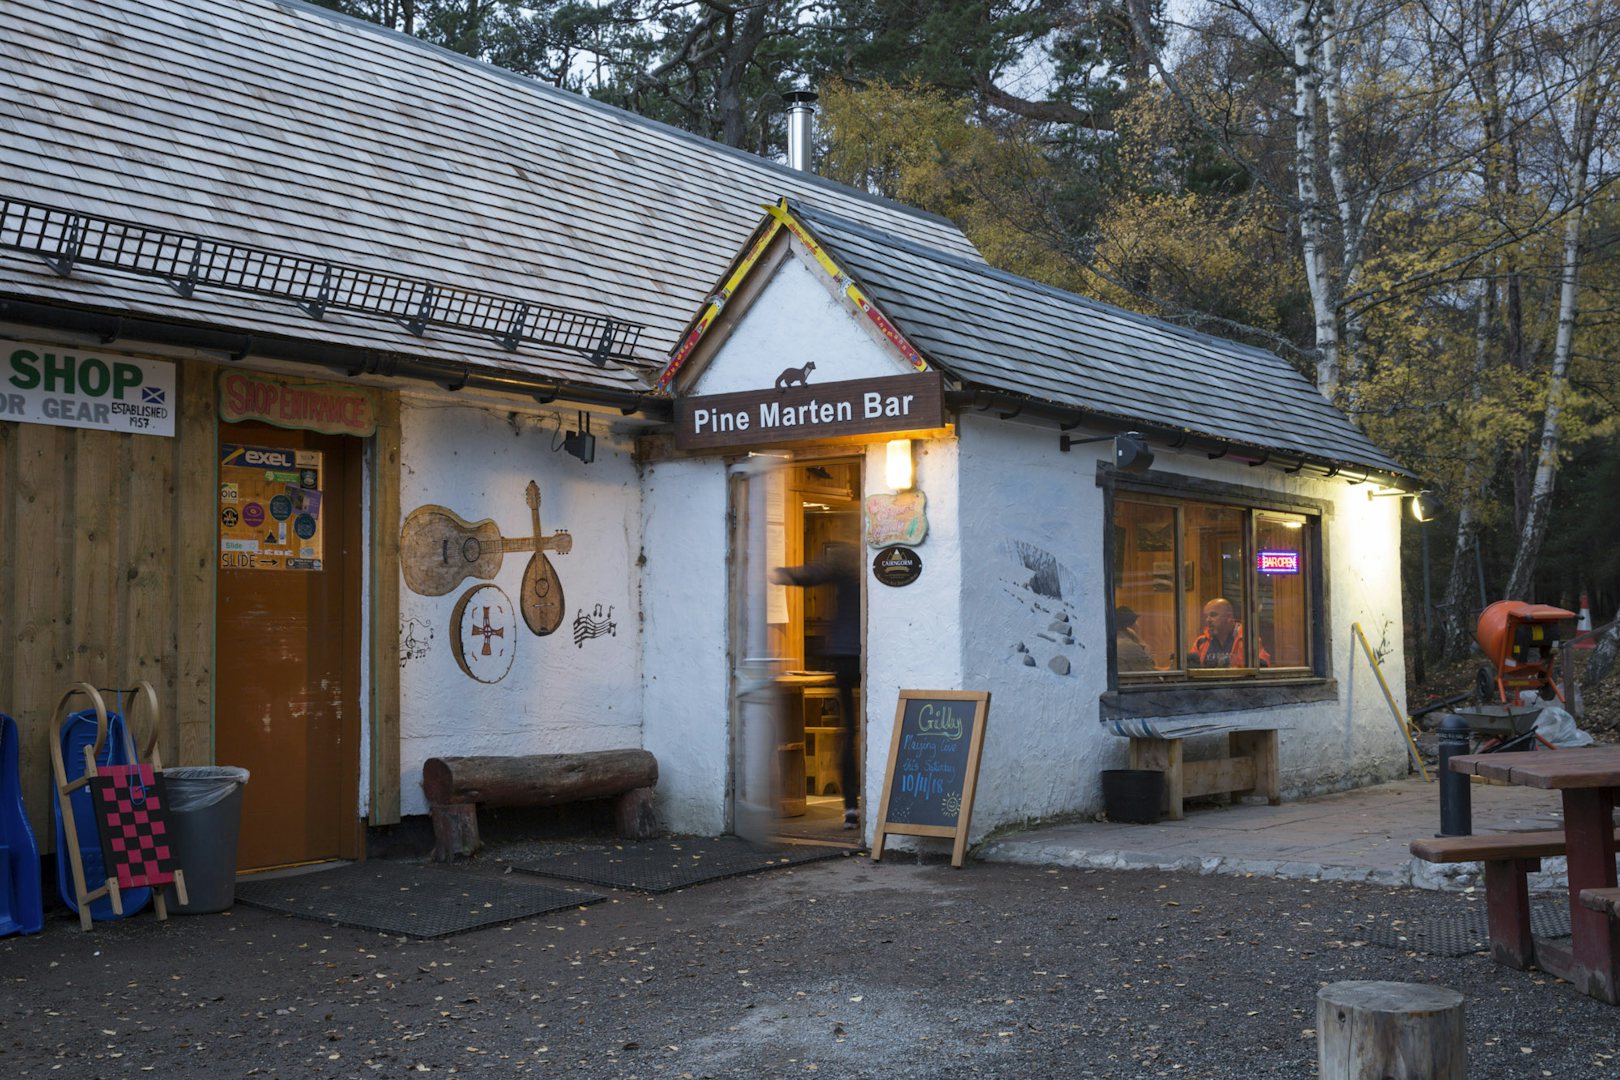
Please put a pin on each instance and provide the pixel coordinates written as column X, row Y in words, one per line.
column 1277, row 562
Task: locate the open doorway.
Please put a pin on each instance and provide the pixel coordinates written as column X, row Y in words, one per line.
column 804, row 646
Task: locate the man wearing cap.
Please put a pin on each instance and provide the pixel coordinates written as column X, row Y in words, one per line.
column 1130, row 654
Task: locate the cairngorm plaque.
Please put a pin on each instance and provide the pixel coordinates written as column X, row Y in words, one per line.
column 805, row 411
column 896, row 566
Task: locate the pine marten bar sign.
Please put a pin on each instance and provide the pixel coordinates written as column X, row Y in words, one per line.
column 811, row 412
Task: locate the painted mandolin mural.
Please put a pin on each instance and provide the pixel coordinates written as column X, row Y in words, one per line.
column 439, row 549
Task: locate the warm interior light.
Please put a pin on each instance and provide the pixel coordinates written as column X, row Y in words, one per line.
column 1292, row 524
column 897, row 468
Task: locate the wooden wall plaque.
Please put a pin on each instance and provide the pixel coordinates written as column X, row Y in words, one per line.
column 933, row 766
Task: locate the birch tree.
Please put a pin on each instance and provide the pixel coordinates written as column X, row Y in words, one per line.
column 1589, row 66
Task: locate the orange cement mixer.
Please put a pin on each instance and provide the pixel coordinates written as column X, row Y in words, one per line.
column 1521, row 641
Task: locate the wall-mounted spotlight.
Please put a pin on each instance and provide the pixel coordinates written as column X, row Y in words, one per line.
column 581, row 443
column 1425, row 504
column 898, row 469
column 1131, row 453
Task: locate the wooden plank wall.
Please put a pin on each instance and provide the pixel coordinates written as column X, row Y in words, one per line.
column 108, row 578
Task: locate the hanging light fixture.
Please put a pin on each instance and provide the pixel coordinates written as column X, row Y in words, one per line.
column 898, row 468
column 1425, row 505
column 1131, row 453
column 580, row 442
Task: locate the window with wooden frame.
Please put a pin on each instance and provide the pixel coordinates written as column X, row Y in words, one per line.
column 1213, row 591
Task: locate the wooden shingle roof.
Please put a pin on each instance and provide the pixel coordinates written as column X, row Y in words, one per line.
column 997, row 331
column 281, row 125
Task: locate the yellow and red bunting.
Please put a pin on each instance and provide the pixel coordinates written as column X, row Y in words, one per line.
column 780, row 219
column 851, row 290
column 717, row 304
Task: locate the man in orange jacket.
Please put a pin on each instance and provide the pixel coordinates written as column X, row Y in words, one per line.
column 1221, row 644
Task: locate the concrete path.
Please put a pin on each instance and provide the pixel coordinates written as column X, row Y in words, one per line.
column 1359, row 835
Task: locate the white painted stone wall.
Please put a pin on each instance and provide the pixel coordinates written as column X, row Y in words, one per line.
column 914, row 633
column 794, row 321
column 477, row 459
column 685, row 674
column 1022, row 500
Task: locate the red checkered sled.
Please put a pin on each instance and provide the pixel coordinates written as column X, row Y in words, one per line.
column 133, row 824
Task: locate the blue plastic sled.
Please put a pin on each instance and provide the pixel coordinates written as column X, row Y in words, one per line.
column 21, row 908
column 78, row 732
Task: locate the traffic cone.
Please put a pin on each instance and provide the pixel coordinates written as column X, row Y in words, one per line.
column 1584, row 623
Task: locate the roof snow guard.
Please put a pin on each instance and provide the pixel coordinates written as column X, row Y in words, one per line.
column 66, row 239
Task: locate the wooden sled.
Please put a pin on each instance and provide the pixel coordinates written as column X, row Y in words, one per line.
column 109, row 887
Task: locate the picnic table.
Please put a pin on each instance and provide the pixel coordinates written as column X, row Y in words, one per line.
column 1588, row 778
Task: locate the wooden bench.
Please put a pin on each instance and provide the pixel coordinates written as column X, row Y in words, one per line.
column 1509, row 859
column 1250, row 767
column 455, row 786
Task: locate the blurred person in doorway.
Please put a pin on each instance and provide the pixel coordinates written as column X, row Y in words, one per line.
column 839, row 568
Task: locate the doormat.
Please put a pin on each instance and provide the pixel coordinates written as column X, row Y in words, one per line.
column 1463, row 935
column 408, row 898
column 658, row 866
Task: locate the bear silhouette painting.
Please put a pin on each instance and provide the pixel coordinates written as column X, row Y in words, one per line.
column 795, row 376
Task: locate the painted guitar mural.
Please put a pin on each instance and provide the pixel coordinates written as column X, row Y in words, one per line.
column 438, row 550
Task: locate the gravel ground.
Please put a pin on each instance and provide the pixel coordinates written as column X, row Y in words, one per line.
column 842, row 969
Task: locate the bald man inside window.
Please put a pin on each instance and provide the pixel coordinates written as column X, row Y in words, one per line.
column 1221, row 644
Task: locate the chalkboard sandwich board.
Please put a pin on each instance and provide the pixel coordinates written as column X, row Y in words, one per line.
column 933, row 766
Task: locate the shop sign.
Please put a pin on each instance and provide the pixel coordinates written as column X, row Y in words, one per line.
column 269, row 508
column 47, row 384
column 897, row 566
column 811, row 411
column 1277, row 562
column 324, row 407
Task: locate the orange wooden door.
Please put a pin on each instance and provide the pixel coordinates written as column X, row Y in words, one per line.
column 287, row 705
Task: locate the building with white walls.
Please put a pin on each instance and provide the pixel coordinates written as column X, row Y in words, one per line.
column 469, row 309
column 1035, row 535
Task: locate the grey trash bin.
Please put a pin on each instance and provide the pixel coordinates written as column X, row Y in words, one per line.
column 205, row 818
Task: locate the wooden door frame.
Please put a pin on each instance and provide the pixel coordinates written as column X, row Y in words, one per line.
column 382, row 574
column 352, row 831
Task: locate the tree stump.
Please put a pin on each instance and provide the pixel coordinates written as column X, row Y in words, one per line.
column 1389, row 1031
column 633, row 814
column 455, row 830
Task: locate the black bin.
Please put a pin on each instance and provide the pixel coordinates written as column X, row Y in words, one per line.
column 205, row 818
column 1133, row 795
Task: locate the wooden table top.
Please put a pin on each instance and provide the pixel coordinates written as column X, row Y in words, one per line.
column 1582, row 767
column 800, row 680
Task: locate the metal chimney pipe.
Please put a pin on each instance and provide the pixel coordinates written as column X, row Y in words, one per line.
column 801, row 127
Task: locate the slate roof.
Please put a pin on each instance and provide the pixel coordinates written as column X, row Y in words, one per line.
column 999, row 331
column 281, row 125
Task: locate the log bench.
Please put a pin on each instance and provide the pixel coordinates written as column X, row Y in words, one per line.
column 1250, row 767
column 1604, row 900
column 1509, row 859
column 456, row 786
